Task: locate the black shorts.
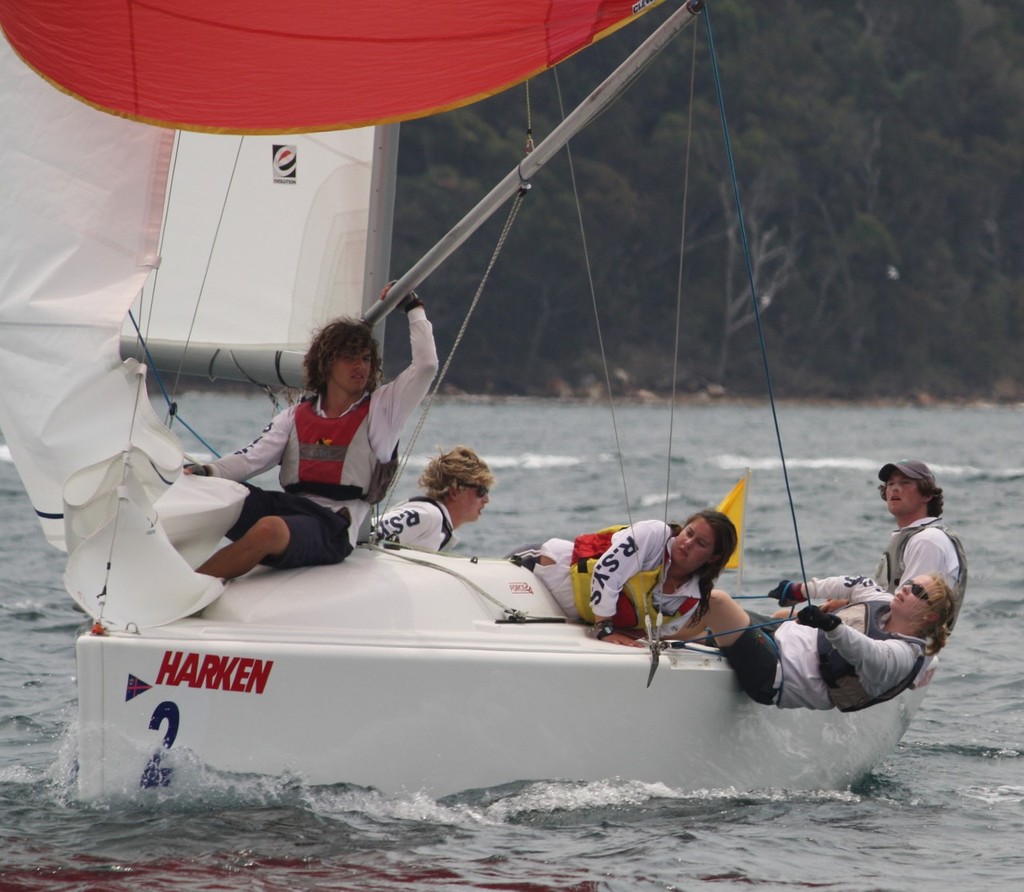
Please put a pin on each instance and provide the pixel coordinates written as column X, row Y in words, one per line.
column 755, row 658
column 317, row 534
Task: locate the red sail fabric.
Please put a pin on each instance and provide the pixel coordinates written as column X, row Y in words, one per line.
column 253, row 66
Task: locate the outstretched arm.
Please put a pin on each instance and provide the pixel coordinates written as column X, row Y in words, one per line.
column 837, row 591
column 395, row 401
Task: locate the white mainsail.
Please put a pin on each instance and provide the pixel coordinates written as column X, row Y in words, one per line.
column 266, row 237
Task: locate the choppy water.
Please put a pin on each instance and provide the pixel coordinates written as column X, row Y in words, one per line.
column 947, row 806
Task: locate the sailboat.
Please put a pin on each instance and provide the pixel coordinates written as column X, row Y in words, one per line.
column 434, row 672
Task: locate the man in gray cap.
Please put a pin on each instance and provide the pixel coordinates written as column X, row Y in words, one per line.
column 921, row 543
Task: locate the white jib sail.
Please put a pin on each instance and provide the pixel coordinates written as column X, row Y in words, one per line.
column 81, row 200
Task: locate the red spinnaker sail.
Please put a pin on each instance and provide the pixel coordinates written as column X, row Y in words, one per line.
column 255, row 66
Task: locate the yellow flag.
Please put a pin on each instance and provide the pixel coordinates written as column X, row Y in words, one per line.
column 733, row 506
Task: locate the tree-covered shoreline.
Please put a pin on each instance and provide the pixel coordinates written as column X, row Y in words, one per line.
column 879, row 153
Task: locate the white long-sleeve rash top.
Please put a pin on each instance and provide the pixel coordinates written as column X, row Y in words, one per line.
column 642, row 546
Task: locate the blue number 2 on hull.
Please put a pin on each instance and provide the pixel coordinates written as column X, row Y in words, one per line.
column 153, row 775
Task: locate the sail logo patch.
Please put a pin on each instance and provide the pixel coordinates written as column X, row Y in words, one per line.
column 520, row 588
column 242, row 675
column 286, row 163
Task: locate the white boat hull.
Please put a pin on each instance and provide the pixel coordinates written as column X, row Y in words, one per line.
column 406, row 682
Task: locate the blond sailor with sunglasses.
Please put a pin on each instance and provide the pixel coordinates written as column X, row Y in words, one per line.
column 457, row 484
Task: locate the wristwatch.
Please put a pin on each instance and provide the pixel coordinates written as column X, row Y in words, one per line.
column 604, row 630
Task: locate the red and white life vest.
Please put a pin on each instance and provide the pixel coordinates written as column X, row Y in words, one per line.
column 332, row 457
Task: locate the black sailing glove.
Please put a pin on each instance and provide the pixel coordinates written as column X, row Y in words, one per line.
column 788, row 593
column 411, row 300
column 817, row 618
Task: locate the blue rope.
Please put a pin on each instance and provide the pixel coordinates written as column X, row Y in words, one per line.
column 172, row 407
column 750, row 279
column 681, row 645
column 704, row 642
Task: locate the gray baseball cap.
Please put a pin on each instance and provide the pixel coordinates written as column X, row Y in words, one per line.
column 915, row 470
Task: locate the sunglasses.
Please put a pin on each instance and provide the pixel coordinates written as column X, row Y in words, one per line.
column 918, row 591
column 481, row 491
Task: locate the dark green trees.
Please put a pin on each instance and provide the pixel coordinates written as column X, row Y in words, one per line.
column 879, row 153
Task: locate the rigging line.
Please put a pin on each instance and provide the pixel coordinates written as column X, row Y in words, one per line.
column 150, row 364
column 517, row 202
column 172, row 407
column 529, row 122
column 593, row 302
column 266, row 388
column 655, row 646
column 679, row 279
column 654, row 629
column 702, row 640
column 209, row 262
column 160, row 244
column 126, row 462
column 141, row 385
column 753, row 286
